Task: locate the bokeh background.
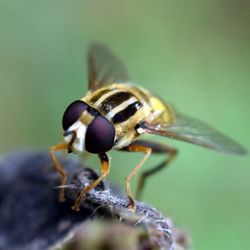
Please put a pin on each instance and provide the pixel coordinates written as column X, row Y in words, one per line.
column 195, row 54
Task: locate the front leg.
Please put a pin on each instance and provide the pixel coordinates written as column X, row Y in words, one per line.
column 59, row 167
column 105, row 170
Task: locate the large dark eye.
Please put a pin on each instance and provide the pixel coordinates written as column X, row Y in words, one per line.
column 73, row 113
column 100, row 135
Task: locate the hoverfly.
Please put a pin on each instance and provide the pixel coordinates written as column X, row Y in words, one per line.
column 115, row 113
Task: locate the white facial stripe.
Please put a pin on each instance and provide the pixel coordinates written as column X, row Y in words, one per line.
column 103, row 97
column 79, row 145
column 75, row 126
column 120, row 107
column 80, row 129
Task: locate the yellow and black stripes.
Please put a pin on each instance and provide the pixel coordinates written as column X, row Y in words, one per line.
column 116, row 105
column 126, row 113
column 98, row 94
column 113, row 101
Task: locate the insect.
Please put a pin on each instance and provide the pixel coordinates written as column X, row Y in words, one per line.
column 115, row 113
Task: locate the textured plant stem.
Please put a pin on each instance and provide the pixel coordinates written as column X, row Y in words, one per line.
column 32, row 218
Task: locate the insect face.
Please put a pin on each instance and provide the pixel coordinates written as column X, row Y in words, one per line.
column 86, row 129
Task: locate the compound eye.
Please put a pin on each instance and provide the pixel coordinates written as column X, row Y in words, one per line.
column 73, row 113
column 99, row 136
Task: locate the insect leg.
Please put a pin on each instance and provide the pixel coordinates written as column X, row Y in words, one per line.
column 134, row 147
column 105, row 170
column 59, row 167
column 156, row 148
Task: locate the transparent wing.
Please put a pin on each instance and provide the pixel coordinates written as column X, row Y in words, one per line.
column 194, row 131
column 104, row 67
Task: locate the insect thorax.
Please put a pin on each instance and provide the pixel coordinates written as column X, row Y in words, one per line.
column 125, row 105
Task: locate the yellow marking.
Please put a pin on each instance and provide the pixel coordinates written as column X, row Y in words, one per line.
column 157, row 104
column 86, row 118
column 162, row 113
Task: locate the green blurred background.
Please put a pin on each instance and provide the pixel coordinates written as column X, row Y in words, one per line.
column 195, row 54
